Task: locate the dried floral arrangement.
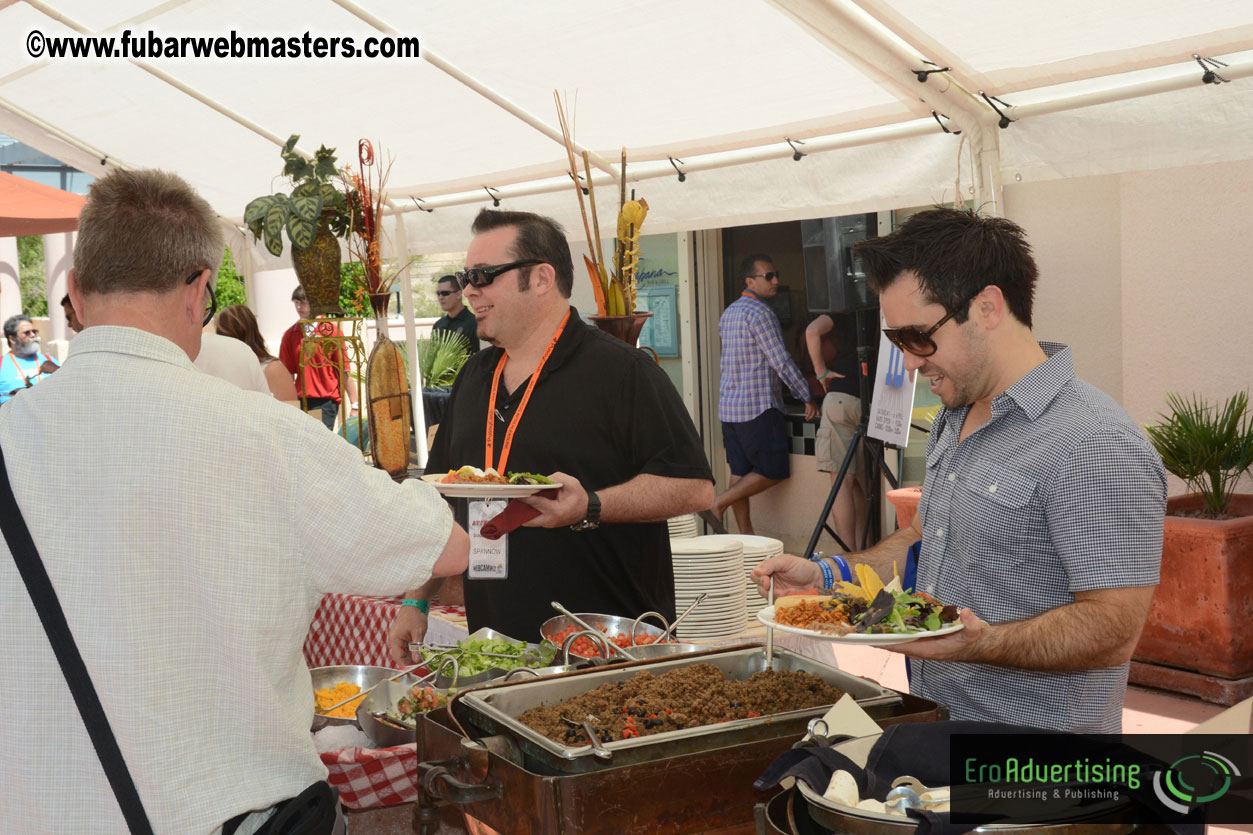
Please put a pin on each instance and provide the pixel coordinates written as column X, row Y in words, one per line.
column 613, row 285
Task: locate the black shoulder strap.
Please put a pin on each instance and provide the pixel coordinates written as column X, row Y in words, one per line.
column 35, row 576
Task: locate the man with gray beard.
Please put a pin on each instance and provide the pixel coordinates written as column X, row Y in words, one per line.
column 26, row 364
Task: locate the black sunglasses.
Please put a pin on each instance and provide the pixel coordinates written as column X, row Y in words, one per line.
column 483, row 276
column 442, row 293
column 213, row 299
column 770, row 276
column 919, row 342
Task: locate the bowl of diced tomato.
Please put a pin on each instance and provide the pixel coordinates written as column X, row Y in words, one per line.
column 612, row 627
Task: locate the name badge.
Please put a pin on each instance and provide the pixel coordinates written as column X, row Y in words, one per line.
column 489, row 558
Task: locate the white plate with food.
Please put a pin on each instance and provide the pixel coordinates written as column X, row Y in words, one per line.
column 473, row 483
column 866, row 639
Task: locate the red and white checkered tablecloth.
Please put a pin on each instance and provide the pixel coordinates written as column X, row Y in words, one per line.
column 352, row 629
column 372, row 777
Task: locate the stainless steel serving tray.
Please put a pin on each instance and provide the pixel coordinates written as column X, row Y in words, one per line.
column 494, row 710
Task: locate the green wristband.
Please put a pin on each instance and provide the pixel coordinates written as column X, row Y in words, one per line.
column 423, row 606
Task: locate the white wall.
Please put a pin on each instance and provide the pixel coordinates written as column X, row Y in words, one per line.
column 10, row 288
column 58, row 259
column 1074, row 226
column 1149, row 276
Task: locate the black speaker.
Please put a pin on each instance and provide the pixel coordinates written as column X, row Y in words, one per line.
column 834, row 279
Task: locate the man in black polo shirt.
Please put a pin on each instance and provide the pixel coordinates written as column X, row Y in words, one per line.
column 570, row 401
column 457, row 317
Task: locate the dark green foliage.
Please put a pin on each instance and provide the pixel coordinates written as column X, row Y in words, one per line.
column 30, row 260
column 1209, row 447
column 230, row 287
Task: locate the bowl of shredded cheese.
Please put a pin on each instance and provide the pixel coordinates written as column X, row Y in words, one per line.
column 334, row 684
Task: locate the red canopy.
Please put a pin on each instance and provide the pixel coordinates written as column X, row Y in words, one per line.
column 30, row 208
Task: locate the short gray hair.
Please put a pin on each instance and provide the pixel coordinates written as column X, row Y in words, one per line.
column 144, row 231
column 13, row 322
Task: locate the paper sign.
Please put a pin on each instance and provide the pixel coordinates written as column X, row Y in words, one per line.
column 892, row 404
column 489, row 558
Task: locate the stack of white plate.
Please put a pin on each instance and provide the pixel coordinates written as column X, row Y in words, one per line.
column 756, row 549
column 713, row 565
column 683, row 527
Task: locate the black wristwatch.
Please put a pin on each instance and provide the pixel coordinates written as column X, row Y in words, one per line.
column 592, row 520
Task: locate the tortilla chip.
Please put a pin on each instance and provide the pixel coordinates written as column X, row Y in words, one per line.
column 842, row 789
column 870, row 582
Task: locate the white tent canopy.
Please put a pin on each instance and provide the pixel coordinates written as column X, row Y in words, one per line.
column 720, row 85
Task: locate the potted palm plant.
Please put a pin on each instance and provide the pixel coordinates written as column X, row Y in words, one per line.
column 314, row 215
column 1197, row 639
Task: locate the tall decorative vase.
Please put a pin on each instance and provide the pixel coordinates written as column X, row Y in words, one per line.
column 390, row 407
column 627, row 328
column 317, row 269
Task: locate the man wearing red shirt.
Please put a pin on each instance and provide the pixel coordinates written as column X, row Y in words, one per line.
column 318, row 381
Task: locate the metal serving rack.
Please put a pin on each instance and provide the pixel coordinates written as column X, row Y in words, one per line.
column 338, row 336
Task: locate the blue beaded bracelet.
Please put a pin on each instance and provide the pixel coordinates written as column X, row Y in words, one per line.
column 423, row 606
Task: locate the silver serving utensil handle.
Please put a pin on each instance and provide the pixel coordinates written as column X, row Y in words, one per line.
column 371, row 687
column 665, row 636
column 770, row 629
column 599, row 749
column 614, row 647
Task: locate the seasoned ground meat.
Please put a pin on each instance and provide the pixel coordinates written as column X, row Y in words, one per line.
column 688, row 697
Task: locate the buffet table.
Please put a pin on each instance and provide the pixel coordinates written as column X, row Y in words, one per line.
column 352, row 629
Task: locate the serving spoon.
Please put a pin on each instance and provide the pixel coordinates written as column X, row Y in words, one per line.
column 563, row 610
column 380, row 682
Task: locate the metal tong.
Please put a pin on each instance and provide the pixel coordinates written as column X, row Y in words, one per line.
column 665, row 636
column 614, row 647
column 770, row 630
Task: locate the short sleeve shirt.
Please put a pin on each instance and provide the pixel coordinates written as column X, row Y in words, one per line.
column 603, row 412
column 463, row 323
column 21, row 372
column 1058, row 492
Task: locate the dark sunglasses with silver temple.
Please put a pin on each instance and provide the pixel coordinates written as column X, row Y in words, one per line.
column 483, row 276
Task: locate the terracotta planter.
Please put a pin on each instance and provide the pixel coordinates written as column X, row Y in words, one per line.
column 317, row 269
column 626, row 328
column 905, row 500
column 1202, row 610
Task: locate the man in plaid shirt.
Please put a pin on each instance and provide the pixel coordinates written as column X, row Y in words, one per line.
column 750, row 401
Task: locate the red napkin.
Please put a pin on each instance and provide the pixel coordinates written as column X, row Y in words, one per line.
column 516, row 513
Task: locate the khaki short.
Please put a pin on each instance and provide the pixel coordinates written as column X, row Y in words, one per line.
column 841, row 415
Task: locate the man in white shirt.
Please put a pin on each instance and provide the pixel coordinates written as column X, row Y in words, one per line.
column 207, row 524
column 231, row 360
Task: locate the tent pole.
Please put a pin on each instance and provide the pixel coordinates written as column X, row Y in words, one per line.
column 1188, row 77
column 846, row 29
column 477, row 86
column 411, row 342
column 657, row 169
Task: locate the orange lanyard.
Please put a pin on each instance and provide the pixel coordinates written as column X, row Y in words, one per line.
column 526, row 398
column 750, row 294
column 37, row 373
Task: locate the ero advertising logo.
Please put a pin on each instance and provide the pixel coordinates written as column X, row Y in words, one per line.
column 1194, row 780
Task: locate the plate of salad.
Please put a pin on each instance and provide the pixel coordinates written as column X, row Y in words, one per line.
column 870, row 613
column 473, row 483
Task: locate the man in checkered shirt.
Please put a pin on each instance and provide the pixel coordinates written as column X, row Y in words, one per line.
column 1042, row 508
column 750, row 401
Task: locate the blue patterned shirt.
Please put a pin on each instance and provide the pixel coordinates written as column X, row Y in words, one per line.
column 1058, row 492
column 754, row 362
